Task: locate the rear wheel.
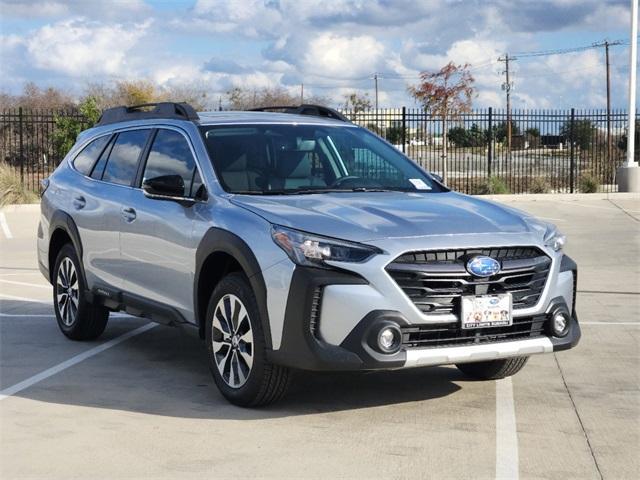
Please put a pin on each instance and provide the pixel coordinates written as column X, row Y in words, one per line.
column 493, row 369
column 237, row 348
column 77, row 318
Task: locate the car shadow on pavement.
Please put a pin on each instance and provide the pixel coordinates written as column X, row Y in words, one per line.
column 164, row 372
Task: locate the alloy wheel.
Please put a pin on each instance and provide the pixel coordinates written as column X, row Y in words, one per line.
column 67, row 292
column 232, row 338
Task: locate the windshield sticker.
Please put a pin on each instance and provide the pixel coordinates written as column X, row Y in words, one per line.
column 419, row 184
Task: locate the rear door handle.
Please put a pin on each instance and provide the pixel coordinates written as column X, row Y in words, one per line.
column 79, row 202
column 129, row 214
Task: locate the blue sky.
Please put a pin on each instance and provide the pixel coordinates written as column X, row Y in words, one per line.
column 333, row 46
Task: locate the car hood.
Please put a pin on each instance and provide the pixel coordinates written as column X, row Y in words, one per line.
column 372, row 216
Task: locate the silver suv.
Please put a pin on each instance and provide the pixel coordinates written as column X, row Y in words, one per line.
column 293, row 241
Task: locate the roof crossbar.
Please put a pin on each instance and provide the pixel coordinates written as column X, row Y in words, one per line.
column 167, row 110
column 305, row 109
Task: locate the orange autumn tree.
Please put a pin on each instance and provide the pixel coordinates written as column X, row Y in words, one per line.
column 446, row 93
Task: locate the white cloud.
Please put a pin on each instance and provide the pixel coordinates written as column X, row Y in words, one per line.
column 343, row 57
column 81, row 48
column 55, row 9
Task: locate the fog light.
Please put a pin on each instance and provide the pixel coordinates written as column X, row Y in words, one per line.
column 560, row 324
column 389, row 339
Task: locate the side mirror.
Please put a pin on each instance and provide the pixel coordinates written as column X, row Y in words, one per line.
column 170, row 187
column 437, row 177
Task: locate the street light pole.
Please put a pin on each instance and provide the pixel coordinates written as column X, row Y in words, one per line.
column 633, row 62
column 628, row 176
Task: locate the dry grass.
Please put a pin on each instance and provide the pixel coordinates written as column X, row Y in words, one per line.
column 11, row 189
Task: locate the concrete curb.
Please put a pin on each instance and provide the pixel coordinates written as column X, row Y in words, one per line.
column 25, row 207
column 575, row 197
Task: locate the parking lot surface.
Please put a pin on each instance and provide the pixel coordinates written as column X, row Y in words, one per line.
column 140, row 402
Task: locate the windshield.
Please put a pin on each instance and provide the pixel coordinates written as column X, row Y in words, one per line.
column 296, row 159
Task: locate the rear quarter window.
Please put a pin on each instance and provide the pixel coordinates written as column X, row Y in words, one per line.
column 85, row 160
column 122, row 164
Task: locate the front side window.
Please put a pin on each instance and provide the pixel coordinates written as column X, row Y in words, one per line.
column 170, row 155
column 122, row 164
column 85, row 160
column 295, row 159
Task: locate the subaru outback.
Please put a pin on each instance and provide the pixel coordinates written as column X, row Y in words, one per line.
column 295, row 240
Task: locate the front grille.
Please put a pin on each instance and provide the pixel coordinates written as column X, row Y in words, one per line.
column 451, row 335
column 435, row 280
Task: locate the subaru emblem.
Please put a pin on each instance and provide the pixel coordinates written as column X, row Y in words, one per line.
column 483, row 266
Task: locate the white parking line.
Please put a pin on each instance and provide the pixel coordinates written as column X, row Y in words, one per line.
column 4, row 296
column 13, row 282
column 52, row 315
column 18, row 274
column 18, row 387
column 506, row 432
column 637, row 324
column 5, row 226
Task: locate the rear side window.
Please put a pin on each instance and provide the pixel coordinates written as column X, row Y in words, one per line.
column 98, row 168
column 170, row 155
column 89, row 154
column 122, row 165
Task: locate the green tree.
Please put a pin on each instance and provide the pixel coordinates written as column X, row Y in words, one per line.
column 533, row 131
column 583, row 131
column 473, row 137
column 68, row 128
column 395, row 133
column 500, row 131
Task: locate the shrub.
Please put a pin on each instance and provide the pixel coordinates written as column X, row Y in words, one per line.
column 539, row 185
column 11, row 189
column 587, row 183
column 490, row 186
column 68, row 128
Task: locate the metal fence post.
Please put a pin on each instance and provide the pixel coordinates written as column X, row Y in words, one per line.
column 490, row 142
column 404, row 129
column 572, row 160
column 21, row 145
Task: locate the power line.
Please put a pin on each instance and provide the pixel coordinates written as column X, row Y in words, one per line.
column 562, row 51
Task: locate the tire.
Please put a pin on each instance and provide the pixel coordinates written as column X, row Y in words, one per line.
column 493, row 369
column 237, row 348
column 77, row 318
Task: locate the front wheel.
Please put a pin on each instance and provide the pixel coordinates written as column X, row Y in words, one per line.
column 237, row 348
column 493, row 369
column 77, row 318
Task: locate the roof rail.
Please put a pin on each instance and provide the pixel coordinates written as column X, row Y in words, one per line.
column 305, row 109
column 170, row 110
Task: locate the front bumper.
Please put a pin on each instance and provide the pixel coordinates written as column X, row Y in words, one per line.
column 303, row 345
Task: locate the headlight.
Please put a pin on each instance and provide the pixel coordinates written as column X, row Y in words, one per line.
column 312, row 250
column 554, row 239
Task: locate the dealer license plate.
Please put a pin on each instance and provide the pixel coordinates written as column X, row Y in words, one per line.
column 483, row 311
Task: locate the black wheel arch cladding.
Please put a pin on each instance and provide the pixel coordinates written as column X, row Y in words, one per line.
column 62, row 221
column 218, row 240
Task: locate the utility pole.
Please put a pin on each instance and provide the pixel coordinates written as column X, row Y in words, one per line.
column 606, row 44
column 606, row 54
column 301, row 93
column 507, row 86
column 375, row 80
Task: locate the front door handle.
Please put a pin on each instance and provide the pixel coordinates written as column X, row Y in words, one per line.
column 129, row 214
column 79, row 202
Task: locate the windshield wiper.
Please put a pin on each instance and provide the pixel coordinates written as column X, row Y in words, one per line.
column 309, row 191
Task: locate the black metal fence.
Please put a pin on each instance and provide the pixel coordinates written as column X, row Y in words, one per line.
column 549, row 150
column 28, row 144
